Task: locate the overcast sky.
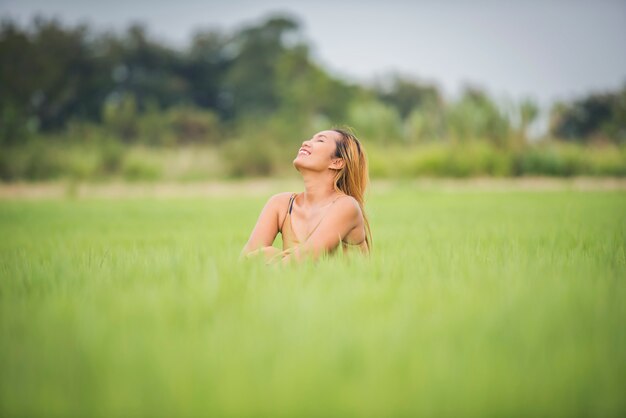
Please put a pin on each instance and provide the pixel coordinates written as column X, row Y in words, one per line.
column 544, row 50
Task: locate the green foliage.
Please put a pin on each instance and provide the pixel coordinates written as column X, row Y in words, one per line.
column 250, row 158
column 262, row 154
column 191, row 125
column 606, row 160
column 120, row 117
column 13, row 129
column 472, row 304
column 262, row 71
column 476, row 116
column 111, row 156
column 595, row 117
column 441, row 160
column 407, row 95
column 179, row 125
column 376, row 121
column 49, row 73
column 563, row 159
column 140, row 166
column 251, row 80
column 255, row 94
column 551, row 161
column 528, row 113
column 35, row 160
column 423, row 126
column 305, row 90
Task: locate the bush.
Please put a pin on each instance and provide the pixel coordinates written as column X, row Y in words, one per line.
column 376, row 121
column 82, row 163
column 139, row 165
column 178, row 126
column 111, row 156
column 34, row 160
column 477, row 158
column 252, row 157
column 553, row 159
column 93, row 154
column 607, row 160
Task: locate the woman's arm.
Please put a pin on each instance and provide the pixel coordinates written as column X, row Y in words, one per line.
column 266, row 228
column 345, row 216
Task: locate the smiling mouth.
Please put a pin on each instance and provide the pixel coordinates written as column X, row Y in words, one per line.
column 303, row 152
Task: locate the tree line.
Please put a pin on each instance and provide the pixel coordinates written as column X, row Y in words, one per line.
column 257, row 84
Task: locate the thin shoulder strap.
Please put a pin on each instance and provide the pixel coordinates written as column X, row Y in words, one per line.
column 291, row 199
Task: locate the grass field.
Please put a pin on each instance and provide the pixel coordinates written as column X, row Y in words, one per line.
column 474, row 303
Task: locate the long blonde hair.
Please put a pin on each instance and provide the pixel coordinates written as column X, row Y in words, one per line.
column 353, row 178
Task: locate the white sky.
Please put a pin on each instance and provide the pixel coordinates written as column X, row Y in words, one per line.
column 544, row 50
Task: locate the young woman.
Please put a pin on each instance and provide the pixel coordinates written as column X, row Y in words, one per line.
column 329, row 213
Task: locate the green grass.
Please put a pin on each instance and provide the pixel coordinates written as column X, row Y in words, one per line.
column 474, row 303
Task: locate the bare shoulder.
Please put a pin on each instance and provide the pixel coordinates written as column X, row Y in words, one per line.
column 279, row 200
column 349, row 206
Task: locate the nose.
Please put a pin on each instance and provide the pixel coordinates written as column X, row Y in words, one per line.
column 306, row 142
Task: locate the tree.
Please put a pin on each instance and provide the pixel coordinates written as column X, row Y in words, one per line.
column 476, row 116
column 598, row 115
column 528, row 112
column 407, row 95
column 251, row 79
column 49, row 74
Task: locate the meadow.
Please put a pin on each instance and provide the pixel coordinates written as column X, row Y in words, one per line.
column 474, row 302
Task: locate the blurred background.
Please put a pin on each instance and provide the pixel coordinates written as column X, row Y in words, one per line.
column 202, row 90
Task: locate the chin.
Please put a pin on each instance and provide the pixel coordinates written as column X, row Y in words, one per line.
column 301, row 165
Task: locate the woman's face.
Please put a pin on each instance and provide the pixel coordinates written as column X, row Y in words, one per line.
column 318, row 152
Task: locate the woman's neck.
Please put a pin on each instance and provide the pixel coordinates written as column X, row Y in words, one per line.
column 318, row 188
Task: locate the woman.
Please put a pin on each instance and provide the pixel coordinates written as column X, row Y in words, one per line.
column 328, row 214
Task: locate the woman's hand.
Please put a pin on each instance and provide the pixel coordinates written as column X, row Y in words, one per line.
column 284, row 257
column 267, row 252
